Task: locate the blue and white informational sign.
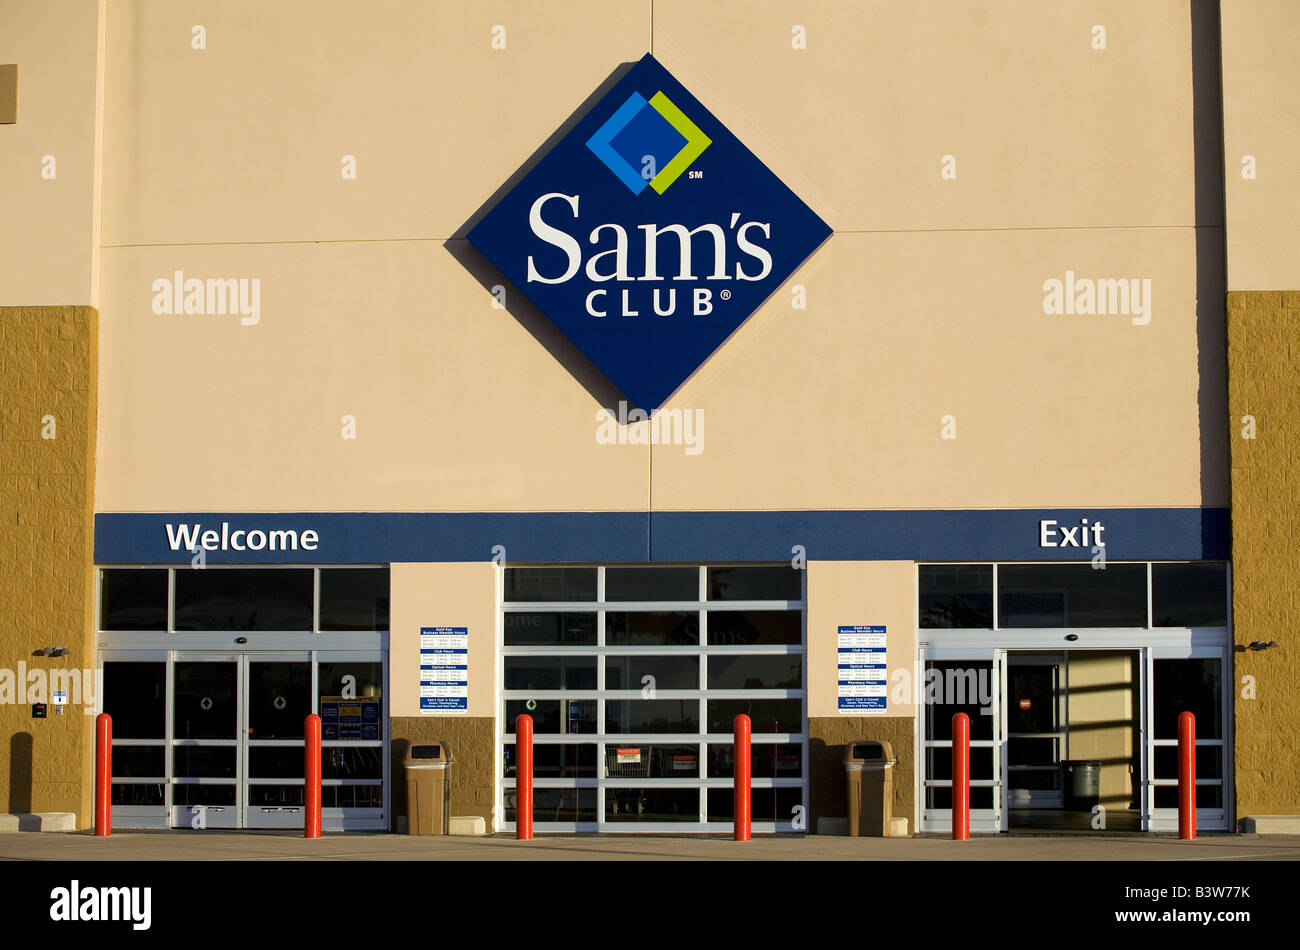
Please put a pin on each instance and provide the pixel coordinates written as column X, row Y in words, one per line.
column 444, row 670
column 863, row 672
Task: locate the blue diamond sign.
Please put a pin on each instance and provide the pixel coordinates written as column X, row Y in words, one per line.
column 648, row 234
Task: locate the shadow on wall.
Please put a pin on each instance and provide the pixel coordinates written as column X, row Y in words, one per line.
column 1211, row 262
column 20, row 774
column 397, row 781
column 517, row 305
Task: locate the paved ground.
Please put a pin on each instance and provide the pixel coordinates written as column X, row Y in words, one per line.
column 262, row 846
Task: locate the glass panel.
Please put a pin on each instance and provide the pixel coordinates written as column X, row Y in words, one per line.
column 626, row 760
column 956, row 595
column 352, row 762
column 366, row 678
column 1033, row 751
column 135, row 696
column 554, row 715
column 755, row 627
column 244, row 599
column 151, row 794
column 1207, row 796
column 1189, row 595
column 555, row 761
column 675, row 628
column 667, row 672
column 1209, row 761
column 550, row 672
column 279, row 699
column 203, row 794
column 556, row 804
column 549, row 629
column 652, row 583
column 652, row 804
column 765, row 761
column 1032, row 701
column 755, row 583
column 938, row 763
column 352, row 796
column 755, row 672
column 550, row 584
column 278, row 761
column 204, row 761
column 940, row 797
column 652, row 715
column 765, row 804
column 359, row 715
column 144, row 761
column 954, row 686
column 1072, row 595
column 133, row 599
column 354, row 598
column 766, row 715
column 206, row 706
column 1192, row 685
column 273, row 795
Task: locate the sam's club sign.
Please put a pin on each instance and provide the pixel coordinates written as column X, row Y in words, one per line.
column 648, row 234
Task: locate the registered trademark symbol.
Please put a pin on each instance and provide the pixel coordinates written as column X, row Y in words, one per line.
column 725, row 295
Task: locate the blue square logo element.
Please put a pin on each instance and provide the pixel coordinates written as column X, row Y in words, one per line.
column 648, row 234
column 648, row 142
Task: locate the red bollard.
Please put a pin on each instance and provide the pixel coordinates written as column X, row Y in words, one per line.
column 961, row 777
column 1186, row 776
column 311, row 773
column 103, row 775
column 524, row 778
column 742, row 813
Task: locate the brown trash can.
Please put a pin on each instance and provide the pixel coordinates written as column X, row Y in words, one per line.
column 428, row 789
column 869, row 771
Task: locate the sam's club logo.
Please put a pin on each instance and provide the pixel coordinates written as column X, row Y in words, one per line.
column 648, row 234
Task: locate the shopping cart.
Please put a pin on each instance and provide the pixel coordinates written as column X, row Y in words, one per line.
column 626, row 762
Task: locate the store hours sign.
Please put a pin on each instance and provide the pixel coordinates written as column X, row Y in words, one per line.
column 444, row 670
column 862, row 671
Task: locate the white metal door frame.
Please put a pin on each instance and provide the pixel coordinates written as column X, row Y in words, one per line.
column 1208, row 819
column 986, row 820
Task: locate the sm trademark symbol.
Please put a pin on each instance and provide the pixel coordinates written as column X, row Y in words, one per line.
column 695, row 173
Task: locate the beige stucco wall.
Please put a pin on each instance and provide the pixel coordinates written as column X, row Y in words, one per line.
column 867, row 593
column 48, row 253
column 442, row 595
column 225, row 162
column 1261, row 103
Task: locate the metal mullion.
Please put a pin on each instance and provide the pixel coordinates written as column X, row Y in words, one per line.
column 995, row 595
column 1150, row 597
column 169, row 730
column 171, row 600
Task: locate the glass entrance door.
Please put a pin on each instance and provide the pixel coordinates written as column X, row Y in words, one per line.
column 207, row 753
column 1188, row 679
column 1035, row 730
column 277, row 697
column 237, row 735
column 214, row 739
column 970, row 682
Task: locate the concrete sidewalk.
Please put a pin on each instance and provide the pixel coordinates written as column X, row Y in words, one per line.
column 287, row 846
